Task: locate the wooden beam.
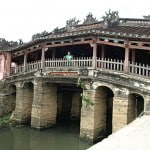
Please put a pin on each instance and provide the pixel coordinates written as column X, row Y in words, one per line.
column 110, row 43
column 139, row 47
column 32, row 50
column 71, row 43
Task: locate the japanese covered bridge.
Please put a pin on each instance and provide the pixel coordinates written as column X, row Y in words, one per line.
column 105, row 85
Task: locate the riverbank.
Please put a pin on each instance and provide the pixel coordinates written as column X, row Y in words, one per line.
column 5, row 121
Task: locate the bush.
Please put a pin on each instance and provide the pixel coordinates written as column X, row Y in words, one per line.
column 5, row 120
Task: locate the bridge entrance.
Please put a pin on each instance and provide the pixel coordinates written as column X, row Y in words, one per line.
column 104, row 102
column 11, row 98
column 135, row 106
column 68, row 102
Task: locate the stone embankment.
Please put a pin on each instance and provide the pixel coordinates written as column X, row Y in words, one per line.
column 135, row 136
column 7, row 105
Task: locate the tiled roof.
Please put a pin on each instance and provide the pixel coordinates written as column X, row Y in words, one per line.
column 128, row 28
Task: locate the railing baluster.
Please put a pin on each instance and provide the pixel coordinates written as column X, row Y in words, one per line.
column 147, row 71
column 140, row 68
column 86, row 62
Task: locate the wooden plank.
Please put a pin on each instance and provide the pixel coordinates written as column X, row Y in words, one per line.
column 71, row 43
column 139, row 47
column 110, row 43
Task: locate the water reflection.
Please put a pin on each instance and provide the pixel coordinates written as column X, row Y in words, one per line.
column 63, row 137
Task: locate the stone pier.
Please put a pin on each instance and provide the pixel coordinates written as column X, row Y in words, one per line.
column 93, row 118
column 24, row 98
column 44, row 108
column 120, row 109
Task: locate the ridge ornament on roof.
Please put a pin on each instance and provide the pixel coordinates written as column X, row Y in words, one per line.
column 71, row 23
column 90, row 19
column 147, row 17
column 111, row 19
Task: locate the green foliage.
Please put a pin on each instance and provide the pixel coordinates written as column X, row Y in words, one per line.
column 80, row 83
column 87, row 100
column 1, row 86
column 5, row 120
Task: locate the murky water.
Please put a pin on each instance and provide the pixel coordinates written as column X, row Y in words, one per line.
column 62, row 137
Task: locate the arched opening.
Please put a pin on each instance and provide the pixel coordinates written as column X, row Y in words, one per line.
column 103, row 111
column 11, row 99
column 28, row 91
column 69, row 101
column 69, row 104
column 135, row 106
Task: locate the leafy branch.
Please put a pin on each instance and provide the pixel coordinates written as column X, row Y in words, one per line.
column 87, row 100
column 80, row 83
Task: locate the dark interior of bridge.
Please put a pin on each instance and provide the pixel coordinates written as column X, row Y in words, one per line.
column 85, row 50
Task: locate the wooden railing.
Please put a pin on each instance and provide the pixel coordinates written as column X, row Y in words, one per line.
column 110, row 64
column 77, row 63
column 139, row 69
column 63, row 63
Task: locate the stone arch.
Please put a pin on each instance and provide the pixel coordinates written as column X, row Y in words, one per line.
column 12, row 89
column 26, row 83
column 104, row 102
column 135, row 106
column 98, row 84
column 28, row 93
column 69, row 102
column 11, row 98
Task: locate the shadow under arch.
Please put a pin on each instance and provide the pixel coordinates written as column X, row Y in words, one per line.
column 11, row 98
column 28, row 90
column 69, row 102
column 135, row 106
column 104, row 110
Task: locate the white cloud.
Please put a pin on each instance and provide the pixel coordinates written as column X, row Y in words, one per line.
column 21, row 19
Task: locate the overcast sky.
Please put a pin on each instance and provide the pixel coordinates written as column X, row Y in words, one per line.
column 20, row 19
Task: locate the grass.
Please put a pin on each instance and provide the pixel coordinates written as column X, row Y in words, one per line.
column 5, row 120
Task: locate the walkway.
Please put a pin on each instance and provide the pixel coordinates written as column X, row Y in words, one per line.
column 135, row 136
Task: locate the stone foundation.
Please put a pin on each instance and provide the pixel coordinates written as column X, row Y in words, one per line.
column 120, row 109
column 7, row 104
column 94, row 118
column 44, row 108
column 24, row 98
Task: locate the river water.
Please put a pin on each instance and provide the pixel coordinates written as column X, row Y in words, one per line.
column 65, row 136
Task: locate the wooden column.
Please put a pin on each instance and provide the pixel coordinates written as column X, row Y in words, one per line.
column 43, row 57
column 94, row 45
column 126, row 61
column 53, row 53
column 102, row 54
column 25, row 60
column 103, row 51
column 8, row 63
column 133, row 55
